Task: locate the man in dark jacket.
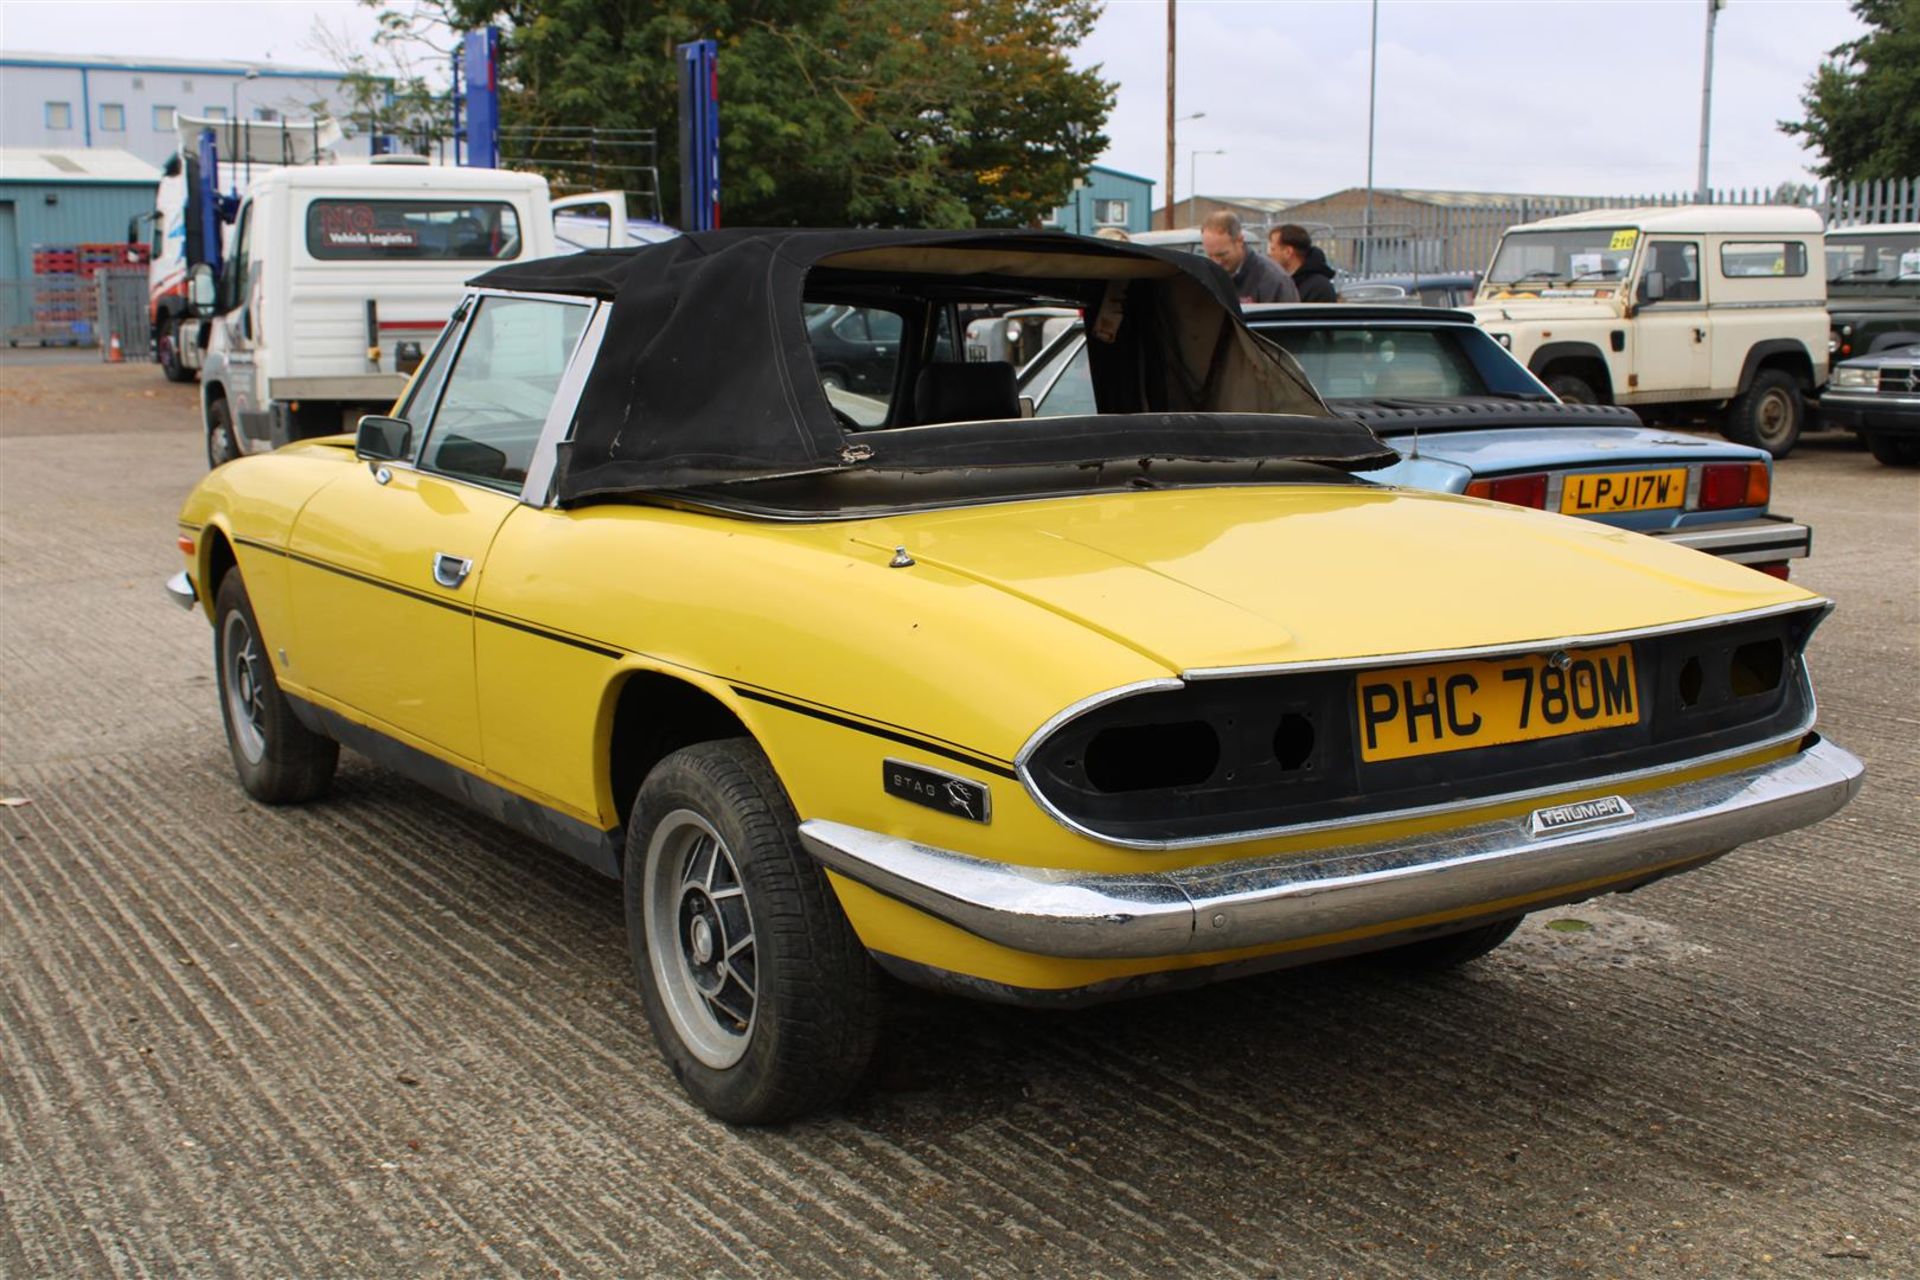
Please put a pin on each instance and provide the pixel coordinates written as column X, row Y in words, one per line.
column 1255, row 278
column 1293, row 249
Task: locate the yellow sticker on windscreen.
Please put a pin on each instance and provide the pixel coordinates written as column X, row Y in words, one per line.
column 1624, row 238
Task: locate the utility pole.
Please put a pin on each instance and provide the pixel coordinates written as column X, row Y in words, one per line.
column 1701, row 192
column 1373, row 68
column 1170, row 25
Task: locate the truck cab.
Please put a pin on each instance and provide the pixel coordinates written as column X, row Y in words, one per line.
column 336, row 283
column 1681, row 313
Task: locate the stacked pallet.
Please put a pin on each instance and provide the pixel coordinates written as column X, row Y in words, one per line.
column 63, row 289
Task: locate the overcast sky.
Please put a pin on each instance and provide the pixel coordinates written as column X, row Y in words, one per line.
column 1581, row 97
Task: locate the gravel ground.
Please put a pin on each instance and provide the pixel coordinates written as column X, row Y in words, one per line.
column 378, row 1036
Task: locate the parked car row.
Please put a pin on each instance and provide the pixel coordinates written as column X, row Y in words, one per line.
column 1136, row 681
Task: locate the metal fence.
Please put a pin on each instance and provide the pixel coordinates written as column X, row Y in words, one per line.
column 1462, row 237
column 85, row 313
column 120, row 312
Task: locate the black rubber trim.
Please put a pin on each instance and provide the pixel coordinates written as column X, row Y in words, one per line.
column 579, row 840
column 500, row 619
column 904, row 739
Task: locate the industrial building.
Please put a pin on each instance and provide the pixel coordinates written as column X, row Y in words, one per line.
column 53, row 201
column 128, row 104
column 1109, row 198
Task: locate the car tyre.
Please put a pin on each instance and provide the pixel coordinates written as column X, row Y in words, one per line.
column 761, row 998
column 169, row 353
column 833, row 380
column 279, row 759
column 1572, row 388
column 1436, row 955
column 1894, row 451
column 221, row 444
column 1769, row 414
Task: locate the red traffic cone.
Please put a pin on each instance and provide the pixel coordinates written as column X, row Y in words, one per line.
column 114, row 355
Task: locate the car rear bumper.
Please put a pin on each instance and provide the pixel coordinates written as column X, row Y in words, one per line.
column 1297, row 897
column 1764, row 540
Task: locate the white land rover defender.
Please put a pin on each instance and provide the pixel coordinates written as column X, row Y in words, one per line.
column 1684, row 312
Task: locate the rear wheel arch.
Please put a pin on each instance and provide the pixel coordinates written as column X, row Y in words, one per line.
column 650, row 715
column 1787, row 354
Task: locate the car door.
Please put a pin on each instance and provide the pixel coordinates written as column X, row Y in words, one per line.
column 1675, row 341
column 386, row 560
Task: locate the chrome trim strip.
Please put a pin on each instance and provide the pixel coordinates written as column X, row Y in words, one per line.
column 1765, row 540
column 180, row 590
column 1502, row 650
column 1297, row 898
column 1080, row 708
column 537, row 490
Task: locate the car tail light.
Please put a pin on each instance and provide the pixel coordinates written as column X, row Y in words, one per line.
column 1735, row 484
column 1778, row 569
column 1519, row 491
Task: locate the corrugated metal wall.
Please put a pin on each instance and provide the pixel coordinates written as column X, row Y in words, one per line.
column 1107, row 184
column 79, row 213
column 57, row 213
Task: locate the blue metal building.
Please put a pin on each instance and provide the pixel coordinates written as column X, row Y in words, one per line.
column 1109, row 198
column 63, row 196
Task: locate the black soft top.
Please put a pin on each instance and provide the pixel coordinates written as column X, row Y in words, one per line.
column 706, row 373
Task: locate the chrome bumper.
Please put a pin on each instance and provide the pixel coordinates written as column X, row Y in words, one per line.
column 180, row 590
column 1290, row 898
column 1760, row 541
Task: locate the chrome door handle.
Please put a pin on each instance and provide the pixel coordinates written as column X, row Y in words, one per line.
column 450, row 571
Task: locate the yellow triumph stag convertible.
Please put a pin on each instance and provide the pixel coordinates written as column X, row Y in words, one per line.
column 904, row 679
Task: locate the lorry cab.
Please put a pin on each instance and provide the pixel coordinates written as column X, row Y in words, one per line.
column 337, row 281
column 1679, row 312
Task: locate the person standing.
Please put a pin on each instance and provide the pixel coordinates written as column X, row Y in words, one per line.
column 1256, row 278
column 1293, row 249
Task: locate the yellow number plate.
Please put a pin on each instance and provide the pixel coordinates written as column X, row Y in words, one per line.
column 1610, row 492
column 1453, row 706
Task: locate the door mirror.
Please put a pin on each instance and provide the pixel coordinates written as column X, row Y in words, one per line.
column 383, row 439
column 1653, row 286
column 200, row 289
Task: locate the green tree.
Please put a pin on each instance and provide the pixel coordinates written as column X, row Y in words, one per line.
column 1863, row 104
column 881, row 113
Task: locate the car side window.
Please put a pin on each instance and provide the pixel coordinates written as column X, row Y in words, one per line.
column 499, row 388
column 1679, row 262
column 233, row 279
column 857, row 353
column 424, row 389
column 1071, row 394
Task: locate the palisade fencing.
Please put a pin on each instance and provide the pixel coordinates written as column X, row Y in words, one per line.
column 1462, row 237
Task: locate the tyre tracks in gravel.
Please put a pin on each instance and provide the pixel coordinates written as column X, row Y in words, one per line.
column 380, row 1036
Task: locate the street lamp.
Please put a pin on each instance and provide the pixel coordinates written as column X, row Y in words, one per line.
column 1193, row 174
column 234, row 115
column 1172, row 121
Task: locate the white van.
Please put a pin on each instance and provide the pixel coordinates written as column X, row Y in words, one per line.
column 337, row 280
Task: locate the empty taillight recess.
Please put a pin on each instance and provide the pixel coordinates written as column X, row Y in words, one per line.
column 1520, row 491
column 1735, row 484
column 185, row 543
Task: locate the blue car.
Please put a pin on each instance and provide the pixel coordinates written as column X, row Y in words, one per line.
column 1468, row 418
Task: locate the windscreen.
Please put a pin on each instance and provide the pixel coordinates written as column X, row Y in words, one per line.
column 1374, row 364
column 340, row 230
column 1588, row 256
column 1873, row 259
